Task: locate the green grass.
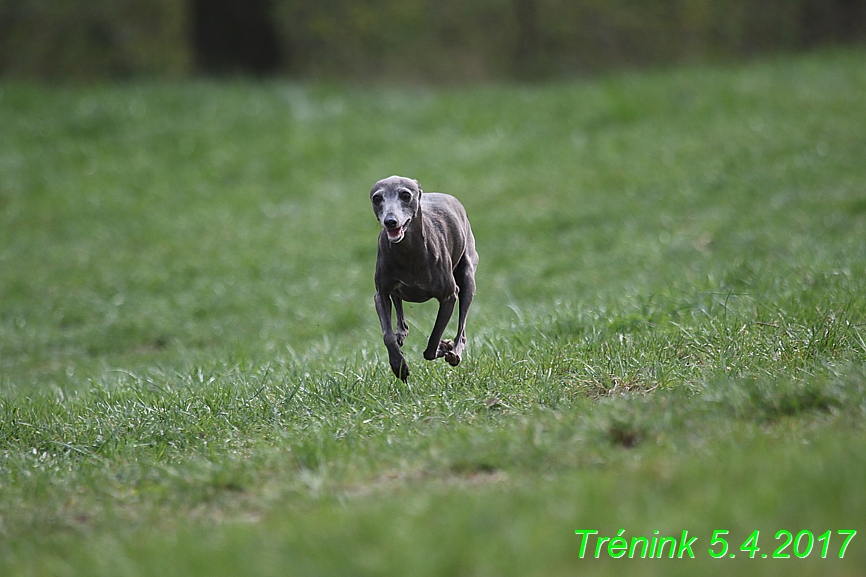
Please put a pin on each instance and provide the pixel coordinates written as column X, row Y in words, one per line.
column 669, row 331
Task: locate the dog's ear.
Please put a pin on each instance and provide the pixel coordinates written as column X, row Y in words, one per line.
column 420, row 191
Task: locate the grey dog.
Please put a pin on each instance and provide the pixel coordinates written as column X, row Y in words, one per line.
column 426, row 250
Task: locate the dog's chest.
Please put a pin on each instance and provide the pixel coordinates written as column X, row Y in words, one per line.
column 415, row 274
column 416, row 290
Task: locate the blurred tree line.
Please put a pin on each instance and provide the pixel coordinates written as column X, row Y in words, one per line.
column 426, row 40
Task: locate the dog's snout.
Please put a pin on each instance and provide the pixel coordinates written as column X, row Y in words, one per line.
column 390, row 221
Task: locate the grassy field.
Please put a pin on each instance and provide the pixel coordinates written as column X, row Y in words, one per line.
column 669, row 331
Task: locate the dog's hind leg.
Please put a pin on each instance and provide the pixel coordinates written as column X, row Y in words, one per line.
column 436, row 347
column 465, row 277
column 402, row 328
column 395, row 356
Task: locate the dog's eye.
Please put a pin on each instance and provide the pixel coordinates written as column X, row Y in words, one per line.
column 377, row 199
column 406, row 195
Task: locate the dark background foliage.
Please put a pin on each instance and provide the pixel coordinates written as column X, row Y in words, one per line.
column 424, row 40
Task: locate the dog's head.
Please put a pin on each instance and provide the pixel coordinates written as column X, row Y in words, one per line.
column 395, row 201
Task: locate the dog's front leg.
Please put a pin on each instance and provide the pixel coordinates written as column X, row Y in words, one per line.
column 395, row 355
column 436, row 347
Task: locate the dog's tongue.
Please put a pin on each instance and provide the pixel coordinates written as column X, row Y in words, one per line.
column 395, row 232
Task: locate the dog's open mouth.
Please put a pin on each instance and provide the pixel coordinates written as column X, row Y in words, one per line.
column 396, row 234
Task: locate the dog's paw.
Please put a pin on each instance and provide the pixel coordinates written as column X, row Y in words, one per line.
column 401, row 372
column 400, row 368
column 452, row 358
column 445, row 347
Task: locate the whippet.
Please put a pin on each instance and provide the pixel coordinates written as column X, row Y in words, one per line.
column 426, row 250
